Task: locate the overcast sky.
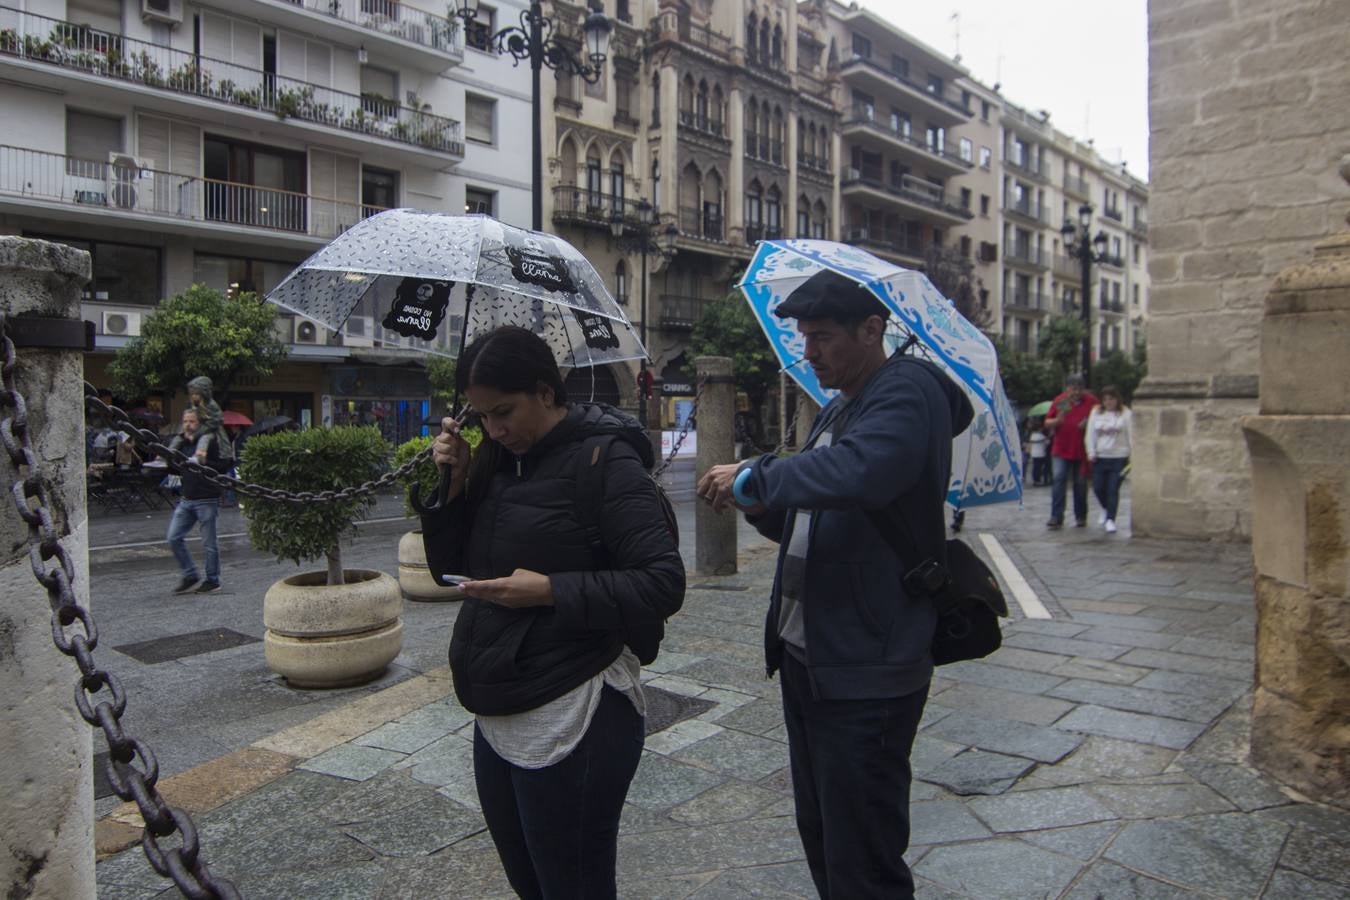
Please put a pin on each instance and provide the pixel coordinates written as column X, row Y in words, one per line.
column 1087, row 63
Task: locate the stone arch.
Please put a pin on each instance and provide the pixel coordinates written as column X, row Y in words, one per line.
column 712, row 186
column 687, row 96
column 751, row 37
column 567, row 160
column 691, row 187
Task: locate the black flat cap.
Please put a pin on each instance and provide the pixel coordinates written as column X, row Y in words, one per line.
column 829, row 295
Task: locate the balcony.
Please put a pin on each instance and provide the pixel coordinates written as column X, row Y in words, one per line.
column 95, row 191
column 1026, row 301
column 1076, row 187
column 1026, row 257
column 763, row 148
column 1139, row 228
column 811, row 85
column 1066, row 267
column 863, row 123
column 574, row 205
column 1113, row 213
column 50, row 49
column 893, row 243
column 813, row 163
column 910, row 192
column 758, row 231
column 680, row 313
column 1110, row 307
column 701, row 125
column 625, row 120
column 698, row 224
column 670, row 26
column 942, row 108
column 1029, row 168
column 1026, row 209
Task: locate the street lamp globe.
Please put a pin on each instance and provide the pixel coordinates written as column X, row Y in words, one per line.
column 646, row 214
column 666, row 239
column 1070, row 234
column 1085, row 216
column 1099, row 244
column 616, row 223
column 598, row 29
column 468, row 9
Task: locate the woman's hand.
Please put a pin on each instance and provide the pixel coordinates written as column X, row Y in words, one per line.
column 450, row 451
column 519, row 589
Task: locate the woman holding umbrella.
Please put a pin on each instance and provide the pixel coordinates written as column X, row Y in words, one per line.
column 547, row 646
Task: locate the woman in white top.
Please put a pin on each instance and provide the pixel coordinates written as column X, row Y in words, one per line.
column 1108, row 449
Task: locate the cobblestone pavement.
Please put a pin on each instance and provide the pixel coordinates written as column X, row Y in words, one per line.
column 1099, row 754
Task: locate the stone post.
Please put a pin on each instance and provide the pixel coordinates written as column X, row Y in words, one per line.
column 715, row 534
column 46, row 788
column 1301, row 527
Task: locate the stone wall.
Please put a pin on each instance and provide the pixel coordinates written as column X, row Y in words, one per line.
column 1248, row 111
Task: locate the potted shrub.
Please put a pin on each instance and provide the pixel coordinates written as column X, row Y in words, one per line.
column 339, row 626
column 414, row 578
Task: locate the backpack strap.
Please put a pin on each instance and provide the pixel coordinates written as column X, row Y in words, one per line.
column 590, row 481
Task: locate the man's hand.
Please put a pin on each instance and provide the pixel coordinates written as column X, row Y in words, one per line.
column 715, row 488
column 519, row 589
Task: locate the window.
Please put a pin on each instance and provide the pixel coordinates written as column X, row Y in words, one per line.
column 379, row 92
column 967, row 150
column 566, row 88
column 622, row 12
column 616, row 183
column 773, row 212
column 863, row 106
column 123, row 274
column 965, row 99
column 966, row 244
column 901, row 124
column 89, row 140
column 986, row 157
column 1116, row 252
column 623, row 96
column 935, row 85
column 594, row 180
column 899, row 65
column 754, row 212
column 1135, row 299
column 656, row 101
column 965, row 198
column 984, row 110
column 804, row 225
column 935, row 138
column 862, row 47
column 477, row 200
column 480, row 114
column 621, row 282
column 233, row 275
column 274, row 179
column 656, row 184
column 478, row 34
column 379, row 190
column 1137, row 255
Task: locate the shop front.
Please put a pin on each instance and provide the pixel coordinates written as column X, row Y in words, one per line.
column 396, row 399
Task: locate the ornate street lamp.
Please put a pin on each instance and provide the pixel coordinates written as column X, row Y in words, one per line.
column 532, row 41
column 1087, row 252
column 650, row 233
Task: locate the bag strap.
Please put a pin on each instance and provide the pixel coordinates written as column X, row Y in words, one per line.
column 590, row 497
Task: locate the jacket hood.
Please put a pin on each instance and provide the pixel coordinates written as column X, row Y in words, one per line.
column 587, row 419
column 202, row 385
column 959, row 404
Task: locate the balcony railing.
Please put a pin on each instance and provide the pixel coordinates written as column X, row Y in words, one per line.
column 1113, row 213
column 862, row 117
column 1027, row 300
column 758, row 231
column 697, row 223
column 1027, row 256
column 1066, row 266
column 701, row 122
column 1110, row 306
column 951, row 101
column 1029, row 167
column 1076, row 186
column 392, row 18
column 813, row 162
column 80, row 48
column 670, row 25
column 914, row 190
column 809, row 83
column 579, row 205
column 899, row 242
column 1027, row 208
column 681, row 313
column 53, row 177
column 763, row 147
column 1139, row 227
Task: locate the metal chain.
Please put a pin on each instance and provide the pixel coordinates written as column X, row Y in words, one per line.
column 150, row 441
column 32, row 500
column 684, row 431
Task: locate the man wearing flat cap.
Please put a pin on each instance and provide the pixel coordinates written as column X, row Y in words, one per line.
column 851, row 646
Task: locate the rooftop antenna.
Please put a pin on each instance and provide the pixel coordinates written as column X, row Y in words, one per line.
column 956, row 35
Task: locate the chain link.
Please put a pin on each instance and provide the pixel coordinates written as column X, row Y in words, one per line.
column 33, row 503
column 689, row 423
column 179, row 461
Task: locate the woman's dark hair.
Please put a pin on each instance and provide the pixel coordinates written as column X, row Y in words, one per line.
column 1112, row 391
column 511, row 360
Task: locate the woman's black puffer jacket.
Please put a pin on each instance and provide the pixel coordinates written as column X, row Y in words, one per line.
column 510, row 660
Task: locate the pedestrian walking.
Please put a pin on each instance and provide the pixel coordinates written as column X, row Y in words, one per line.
column 200, row 505
column 847, row 631
column 1067, row 423
column 1109, row 441
column 558, row 616
column 1040, row 453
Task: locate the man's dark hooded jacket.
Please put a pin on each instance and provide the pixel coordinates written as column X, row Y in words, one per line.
column 510, row 660
column 891, row 444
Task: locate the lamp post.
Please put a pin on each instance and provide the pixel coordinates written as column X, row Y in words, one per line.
column 648, row 233
column 1087, row 252
column 532, row 41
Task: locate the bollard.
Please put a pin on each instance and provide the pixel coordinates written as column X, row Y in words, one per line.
column 715, row 534
column 46, row 789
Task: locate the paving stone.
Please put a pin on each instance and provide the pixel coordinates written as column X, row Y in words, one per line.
column 942, row 822
column 729, row 802
column 445, row 713
column 680, row 851
column 677, row 684
column 1031, row 660
column 1318, row 855
column 233, row 826
column 926, row 890
column 922, row 790
column 461, row 870
column 724, row 703
column 670, row 661
column 1029, row 708
column 745, row 756
column 717, row 673
column 1172, row 733
column 1287, row 885
column 1078, row 841
column 755, row 717
column 1099, row 670
column 418, row 830
column 1229, row 739
column 1150, row 575
column 681, row 735
column 929, row 752
column 387, row 792
column 402, row 737
column 1108, row 880
column 977, row 772
column 1035, row 810
column 352, row 762
column 1045, row 627
column 1161, row 601
column 1226, row 854
column 1219, row 649
column 790, row 881
column 1048, row 745
column 1196, row 665
column 302, row 844
column 1002, row 677
column 1111, row 758
column 662, row 783
column 1110, row 607
column 1193, row 684
column 1062, row 645
column 463, row 791
column 998, row 870
column 350, row 882
column 1150, row 801
column 445, row 761
column 1242, row 787
column 1153, row 640
column 1141, row 700
column 933, row 712
column 1319, row 818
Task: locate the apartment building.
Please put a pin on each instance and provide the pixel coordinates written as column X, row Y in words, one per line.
column 1030, row 227
column 184, row 142
column 978, row 241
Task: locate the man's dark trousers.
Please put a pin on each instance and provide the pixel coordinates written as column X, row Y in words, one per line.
column 850, row 781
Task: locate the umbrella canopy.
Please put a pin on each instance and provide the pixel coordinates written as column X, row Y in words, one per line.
column 146, row 416
column 232, row 418
column 986, row 459
column 1040, row 409
column 271, row 423
column 433, row 282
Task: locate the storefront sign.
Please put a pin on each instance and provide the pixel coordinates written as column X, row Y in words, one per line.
column 677, row 387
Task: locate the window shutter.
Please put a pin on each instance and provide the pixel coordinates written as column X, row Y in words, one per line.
column 291, row 56
column 155, row 141
column 318, row 64
column 478, row 115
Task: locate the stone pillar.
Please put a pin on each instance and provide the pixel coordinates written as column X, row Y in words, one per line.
column 806, row 412
column 1301, row 527
column 714, row 533
column 733, row 213
column 46, row 788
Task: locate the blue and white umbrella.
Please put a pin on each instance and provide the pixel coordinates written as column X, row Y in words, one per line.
column 986, row 457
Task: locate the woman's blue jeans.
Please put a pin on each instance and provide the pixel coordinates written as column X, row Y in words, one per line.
column 1106, row 483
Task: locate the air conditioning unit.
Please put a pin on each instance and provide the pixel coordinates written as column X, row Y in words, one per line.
column 308, row 331
column 359, row 331
column 131, row 182
column 121, row 322
column 168, row 11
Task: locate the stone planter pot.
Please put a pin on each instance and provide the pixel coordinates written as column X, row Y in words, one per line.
column 415, row 578
column 322, row 636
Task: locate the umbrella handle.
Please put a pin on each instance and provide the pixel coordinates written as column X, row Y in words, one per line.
column 439, row 498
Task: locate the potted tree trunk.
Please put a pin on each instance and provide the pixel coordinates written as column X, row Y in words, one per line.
column 339, row 626
column 414, row 577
